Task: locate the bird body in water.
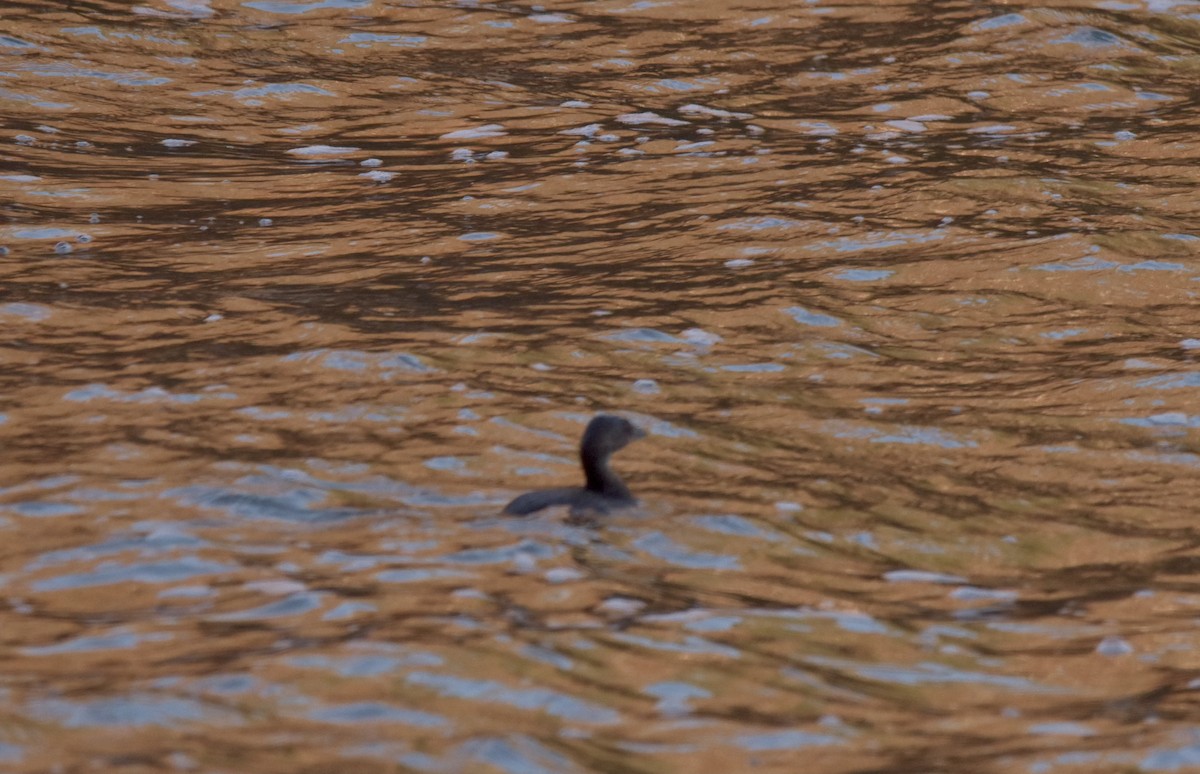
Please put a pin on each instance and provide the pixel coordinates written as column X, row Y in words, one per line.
column 603, row 490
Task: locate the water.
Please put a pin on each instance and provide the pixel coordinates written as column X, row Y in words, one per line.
column 295, row 296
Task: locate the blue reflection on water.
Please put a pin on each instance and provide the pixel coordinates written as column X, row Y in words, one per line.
column 1062, row 729
column 233, row 685
column 159, row 539
column 1089, row 263
column 1067, row 333
column 925, row 435
column 761, row 224
column 295, row 504
column 998, row 22
column 1166, row 458
column 377, row 712
column 449, row 464
column 42, row 509
column 752, row 368
column 418, row 574
column 547, row 656
column 1092, row 38
column 932, row 673
column 524, row 550
column 877, row 240
column 921, row 576
column 863, row 275
column 115, row 35
column 43, row 233
column 275, row 6
column 518, row 755
column 785, row 740
column 816, row 319
column 390, row 364
column 552, row 702
column 1179, row 759
column 376, row 659
column 728, row 524
column 690, row 644
column 648, row 335
column 148, row 395
column 905, row 434
column 1171, row 381
column 348, row 610
column 66, row 70
column 1165, row 420
column 364, row 39
column 674, row 697
column 295, row 604
column 659, row 545
column 117, row 640
column 277, row 89
column 145, row 572
column 131, row 710
column 11, row 42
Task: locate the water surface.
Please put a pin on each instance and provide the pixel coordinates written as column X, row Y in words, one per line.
column 296, row 295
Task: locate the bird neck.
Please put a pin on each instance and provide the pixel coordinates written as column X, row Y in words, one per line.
column 601, row 478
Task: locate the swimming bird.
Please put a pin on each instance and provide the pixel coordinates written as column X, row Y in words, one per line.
column 604, row 491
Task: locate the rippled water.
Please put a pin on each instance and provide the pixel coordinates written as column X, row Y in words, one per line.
column 295, row 296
